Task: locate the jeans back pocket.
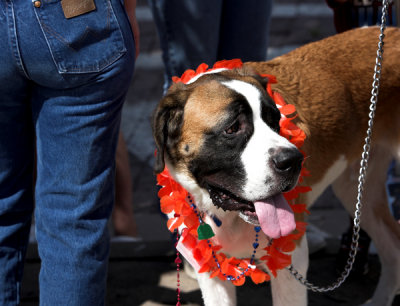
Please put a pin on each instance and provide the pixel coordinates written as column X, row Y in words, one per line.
column 82, row 44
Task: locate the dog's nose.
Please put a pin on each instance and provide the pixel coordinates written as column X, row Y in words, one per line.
column 286, row 160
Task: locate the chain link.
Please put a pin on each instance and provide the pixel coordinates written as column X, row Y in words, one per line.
column 363, row 170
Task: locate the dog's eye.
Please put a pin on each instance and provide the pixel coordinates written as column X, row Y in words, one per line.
column 234, row 128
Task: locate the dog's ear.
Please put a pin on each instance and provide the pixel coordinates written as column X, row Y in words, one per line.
column 167, row 122
column 262, row 80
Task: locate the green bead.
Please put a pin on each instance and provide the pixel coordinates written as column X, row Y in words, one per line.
column 205, row 231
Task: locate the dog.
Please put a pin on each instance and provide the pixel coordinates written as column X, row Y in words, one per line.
column 219, row 137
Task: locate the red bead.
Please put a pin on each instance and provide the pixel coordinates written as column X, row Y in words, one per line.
column 178, row 260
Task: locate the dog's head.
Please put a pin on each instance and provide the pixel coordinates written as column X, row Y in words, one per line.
column 219, row 136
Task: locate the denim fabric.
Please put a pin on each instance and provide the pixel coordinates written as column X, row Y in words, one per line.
column 98, row 39
column 62, row 82
column 192, row 32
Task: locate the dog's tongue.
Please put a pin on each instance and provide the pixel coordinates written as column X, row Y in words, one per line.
column 275, row 216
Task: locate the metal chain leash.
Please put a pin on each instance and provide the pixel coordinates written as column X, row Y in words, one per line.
column 363, row 171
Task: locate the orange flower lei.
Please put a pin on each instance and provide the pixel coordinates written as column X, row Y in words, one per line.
column 174, row 201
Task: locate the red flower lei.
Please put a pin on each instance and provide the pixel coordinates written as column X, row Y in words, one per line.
column 173, row 201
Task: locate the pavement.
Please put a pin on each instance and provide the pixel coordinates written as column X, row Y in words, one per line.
column 143, row 272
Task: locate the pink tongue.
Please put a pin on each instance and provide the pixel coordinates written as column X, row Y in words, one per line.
column 275, row 216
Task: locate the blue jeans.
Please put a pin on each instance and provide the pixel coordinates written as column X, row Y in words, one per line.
column 192, row 32
column 62, row 86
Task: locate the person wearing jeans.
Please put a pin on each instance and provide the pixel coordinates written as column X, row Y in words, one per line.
column 64, row 72
column 192, row 32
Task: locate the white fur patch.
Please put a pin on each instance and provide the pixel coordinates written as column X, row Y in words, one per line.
column 194, row 79
column 255, row 156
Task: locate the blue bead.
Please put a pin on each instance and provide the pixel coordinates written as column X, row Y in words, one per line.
column 217, row 221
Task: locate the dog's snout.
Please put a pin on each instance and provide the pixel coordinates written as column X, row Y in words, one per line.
column 286, row 160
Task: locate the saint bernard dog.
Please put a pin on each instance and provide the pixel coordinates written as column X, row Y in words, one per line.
column 219, row 137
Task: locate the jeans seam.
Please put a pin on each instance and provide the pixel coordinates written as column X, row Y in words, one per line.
column 56, row 35
column 19, row 270
column 169, row 54
column 108, row 15
column 14, row 39
column 47, row 42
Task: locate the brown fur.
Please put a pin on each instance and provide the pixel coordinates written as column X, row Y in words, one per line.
column 335, row 100
column 202, row 116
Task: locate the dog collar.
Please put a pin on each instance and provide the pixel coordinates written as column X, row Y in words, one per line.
column 196, row 242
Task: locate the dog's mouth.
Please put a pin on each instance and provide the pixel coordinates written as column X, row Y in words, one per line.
column 273, row 214
column 228, row 201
